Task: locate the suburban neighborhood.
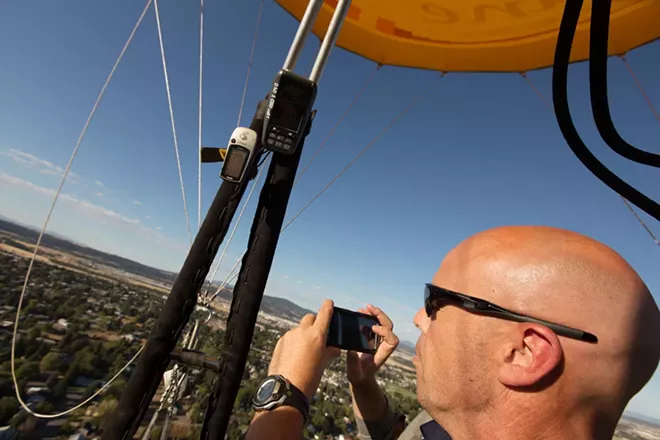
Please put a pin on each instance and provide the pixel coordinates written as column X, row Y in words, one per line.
column 84, row 318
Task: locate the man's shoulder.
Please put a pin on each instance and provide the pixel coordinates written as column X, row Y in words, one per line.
column 412, row 431
column 423, row 427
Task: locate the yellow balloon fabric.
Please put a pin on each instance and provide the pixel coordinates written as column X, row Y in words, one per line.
column 476, row 35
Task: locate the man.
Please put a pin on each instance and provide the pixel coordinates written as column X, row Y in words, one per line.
column 568, row 336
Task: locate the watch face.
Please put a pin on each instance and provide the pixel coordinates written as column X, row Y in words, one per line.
column 266, row 390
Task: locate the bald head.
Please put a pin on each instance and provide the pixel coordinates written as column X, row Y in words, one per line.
column 562, row 277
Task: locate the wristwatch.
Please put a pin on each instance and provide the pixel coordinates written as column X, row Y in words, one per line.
column 275, row 391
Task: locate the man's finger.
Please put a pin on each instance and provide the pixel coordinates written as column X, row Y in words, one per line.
column 307, row 320
column 385, row 351
column 324, row 316
column 333, row 352
column 384, row 320
column 387, row 334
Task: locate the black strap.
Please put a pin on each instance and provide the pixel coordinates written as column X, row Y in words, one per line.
column 298, row 400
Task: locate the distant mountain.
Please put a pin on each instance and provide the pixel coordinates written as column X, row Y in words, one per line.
column 641, row 417
column 407, row 347
column 280, row 307
column 63, row 244
column 272, row 305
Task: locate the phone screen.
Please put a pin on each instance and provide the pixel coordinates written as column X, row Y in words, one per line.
column 352, row 331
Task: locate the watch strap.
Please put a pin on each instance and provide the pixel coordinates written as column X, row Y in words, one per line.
column 287, row 394
column 297, row 399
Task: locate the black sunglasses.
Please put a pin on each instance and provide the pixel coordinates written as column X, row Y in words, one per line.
column 435, row 297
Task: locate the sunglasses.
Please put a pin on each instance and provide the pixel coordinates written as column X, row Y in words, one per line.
column 435, row 297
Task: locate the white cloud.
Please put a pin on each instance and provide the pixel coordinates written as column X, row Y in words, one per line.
column 49, row 172
column 299, row 281
column 158, row 228
column 317, row 287
column 100, row 194
column 148, row 217
column 137, row 202
column 286, row 277
column 89, row 209
column 99, row 183
column 31, row 161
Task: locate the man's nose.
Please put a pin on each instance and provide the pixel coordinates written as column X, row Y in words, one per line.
column 421, row 321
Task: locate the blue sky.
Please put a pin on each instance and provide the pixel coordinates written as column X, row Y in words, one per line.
column 478, row 151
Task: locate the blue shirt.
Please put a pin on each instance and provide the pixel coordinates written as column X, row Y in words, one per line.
column 433, row 431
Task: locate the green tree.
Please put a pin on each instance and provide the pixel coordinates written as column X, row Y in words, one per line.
column 31, row 307
column 105, row 409
column 8, row 407
column 243, row 398
column 49, row 362
column 116, row 388
column 28, row 371
column 59, row 390
column 6, row 386
column 66, row 428
column 156, row 433
column 34, row 333
column 18, row 418
column 45, row 407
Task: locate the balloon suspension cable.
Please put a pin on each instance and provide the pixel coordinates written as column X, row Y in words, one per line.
column 249, row 68
column 42, row 232
column 364, row 87
column 233, row 275
column 647, row 98
column 365, row 149
column 172, row 389
column 623, row 199
column 169, row 103
column 199, row 115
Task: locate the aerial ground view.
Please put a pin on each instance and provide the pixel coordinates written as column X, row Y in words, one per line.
column 92, row 314
column 92, row 311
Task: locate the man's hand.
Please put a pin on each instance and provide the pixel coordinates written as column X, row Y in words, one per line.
column 301, row 355
column 361, row 366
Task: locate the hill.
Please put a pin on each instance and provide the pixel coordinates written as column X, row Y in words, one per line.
column 272, row 305
column 280, row 307
column 67, row 245
column 635, row 416
column 407, row 347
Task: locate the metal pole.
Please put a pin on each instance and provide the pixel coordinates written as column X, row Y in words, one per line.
column 330, row 39
column 305, row 27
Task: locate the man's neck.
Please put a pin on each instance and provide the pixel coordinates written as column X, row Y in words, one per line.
column 523, row 423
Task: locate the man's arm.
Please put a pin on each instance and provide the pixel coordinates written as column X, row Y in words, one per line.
column 373, row 416
column 282, row 423
column 300, row 356
column 375, row 419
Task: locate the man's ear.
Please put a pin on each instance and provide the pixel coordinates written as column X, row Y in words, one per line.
column 530, row 356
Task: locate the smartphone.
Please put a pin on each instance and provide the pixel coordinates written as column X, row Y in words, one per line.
column 351, row 330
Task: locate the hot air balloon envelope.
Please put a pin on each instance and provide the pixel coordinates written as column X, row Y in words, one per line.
column 476, row 35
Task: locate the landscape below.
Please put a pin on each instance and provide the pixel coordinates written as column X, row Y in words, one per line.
column 87, row 312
